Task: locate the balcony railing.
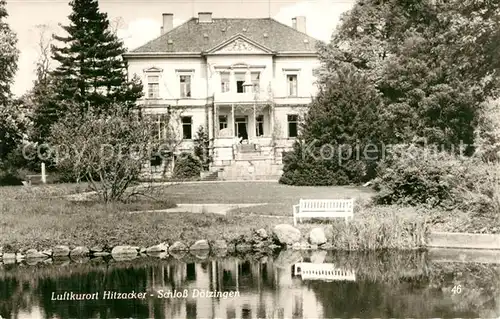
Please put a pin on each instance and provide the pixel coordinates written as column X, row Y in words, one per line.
column 246, row 97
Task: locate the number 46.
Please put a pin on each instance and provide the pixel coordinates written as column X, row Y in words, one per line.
column 456, row 289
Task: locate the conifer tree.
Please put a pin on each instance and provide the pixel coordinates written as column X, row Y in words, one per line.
column 92, row 72
column 9, row 56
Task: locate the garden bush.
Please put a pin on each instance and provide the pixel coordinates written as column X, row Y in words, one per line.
column 187, row 166
column 413, row 175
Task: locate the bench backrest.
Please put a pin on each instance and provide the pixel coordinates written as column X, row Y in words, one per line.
column 326, row 205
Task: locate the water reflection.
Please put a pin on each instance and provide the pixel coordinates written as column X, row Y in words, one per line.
column 291, row 285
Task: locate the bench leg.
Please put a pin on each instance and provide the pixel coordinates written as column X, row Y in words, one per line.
column 294, row 220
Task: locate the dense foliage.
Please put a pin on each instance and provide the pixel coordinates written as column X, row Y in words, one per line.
column 202, row 148
column 107, row 151
column 430, row 66
column 187, row 166
column 91, row 70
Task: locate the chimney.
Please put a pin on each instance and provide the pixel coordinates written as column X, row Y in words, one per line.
column 168, row 22
column 204, row 17
column 299, row 24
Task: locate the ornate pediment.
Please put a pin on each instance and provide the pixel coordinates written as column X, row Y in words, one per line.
column 239, row 44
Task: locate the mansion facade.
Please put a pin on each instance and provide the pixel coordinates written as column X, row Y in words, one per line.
column 246, row 82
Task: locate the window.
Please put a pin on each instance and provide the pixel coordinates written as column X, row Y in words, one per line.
column 224, row 82
column 293, row 121
column 185, row 81
column 153, row 86
column 240, row 80
column 259, row 125
column 291, row 80
column 160, row 126
column 222, row 122
column 187, row 125
column 255, row 81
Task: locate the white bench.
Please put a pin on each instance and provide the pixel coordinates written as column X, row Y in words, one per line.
column 323, row 208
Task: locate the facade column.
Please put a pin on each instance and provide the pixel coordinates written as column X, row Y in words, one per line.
column 215, row 121
column 232, row 120
column 210, row 121
column 254, row 129
column 271, row 119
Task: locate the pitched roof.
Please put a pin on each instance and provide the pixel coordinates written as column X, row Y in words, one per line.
column 195, row 37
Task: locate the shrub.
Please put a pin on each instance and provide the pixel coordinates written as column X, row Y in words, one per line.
column 108, row 151
column 344, row 118
column 187, row 166
column 414, row 175
column 419, row 176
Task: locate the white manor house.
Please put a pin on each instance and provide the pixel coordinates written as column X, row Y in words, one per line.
column 245, row 81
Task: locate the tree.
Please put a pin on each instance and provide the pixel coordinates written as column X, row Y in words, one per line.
column 11, row 120
column 9, row 55
column 41, row 98
column 202, row 148
column 435, row 62
column 92, row 71
column 342, row 134
column 107, row 151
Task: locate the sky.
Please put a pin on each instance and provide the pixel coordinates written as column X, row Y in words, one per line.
column 138, row 21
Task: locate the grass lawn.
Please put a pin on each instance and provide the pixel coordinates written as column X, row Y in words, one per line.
column 41, row 217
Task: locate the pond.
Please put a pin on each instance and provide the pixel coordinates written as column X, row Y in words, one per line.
column 289, row 284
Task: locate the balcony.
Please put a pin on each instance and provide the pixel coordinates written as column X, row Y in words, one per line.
column 246, row 97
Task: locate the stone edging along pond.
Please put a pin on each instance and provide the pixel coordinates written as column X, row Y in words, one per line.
column 283, row 236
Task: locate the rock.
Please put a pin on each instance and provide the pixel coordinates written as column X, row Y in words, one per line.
column 200, row 245
column 178, row 246
column 219, row 245
column 318, row 257
column 61, row 261
column 20, row 257
column 48, row 261
column 261, row 233
column 60, row 251
column 96, row 249
column 329, row 232
column 260, row 245
column 80, row 251
column 158, row 254
column 287, row 258
column 220, row 253
column 201, row 254
column 162, row 247
column 35, row 254
column 9, row 258
column 100, row 254
column 317, row 236
column 124, row 250
column 243, row 247
column 231, row 247
column 124, row 257
column 33, row 261
column 142, row 250
column 326, row 246
column 47, row 252
column 286, row 234
column 179, row 254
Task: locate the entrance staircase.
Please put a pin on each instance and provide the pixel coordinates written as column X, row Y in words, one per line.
column 252, row 163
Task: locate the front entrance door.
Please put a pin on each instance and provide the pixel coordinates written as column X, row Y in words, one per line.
column 240, row 127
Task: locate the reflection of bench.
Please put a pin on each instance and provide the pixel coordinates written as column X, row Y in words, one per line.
column 311, row 271
column 323, row 208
